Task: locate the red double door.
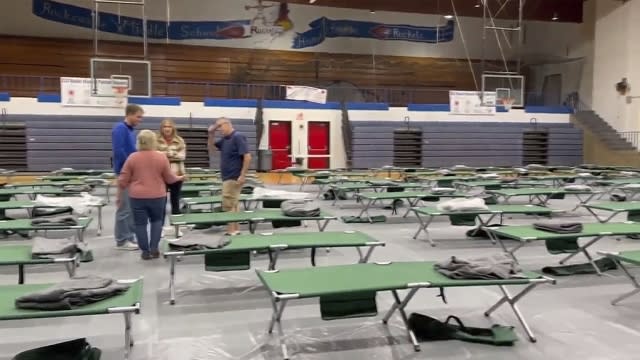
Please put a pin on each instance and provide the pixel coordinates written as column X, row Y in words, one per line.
column 318, row 144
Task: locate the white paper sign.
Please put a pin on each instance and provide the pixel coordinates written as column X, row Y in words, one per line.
column 307, row 93
column 470, row 102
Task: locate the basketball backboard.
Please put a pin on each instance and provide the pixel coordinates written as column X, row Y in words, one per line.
column 506, row 87
column 136, row 72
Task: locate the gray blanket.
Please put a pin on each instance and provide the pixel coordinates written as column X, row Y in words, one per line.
column 77, row 188
column 564, row 228
column 55, row 221
column 300, row 208
column 43, row 247
column 199, row 241
column 71, row 294
column 499, row 266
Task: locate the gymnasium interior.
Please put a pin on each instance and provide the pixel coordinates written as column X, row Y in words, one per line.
column 466, row 173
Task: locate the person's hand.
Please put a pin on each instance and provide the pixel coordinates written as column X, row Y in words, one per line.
column 241, row 180
column 213, row 128
column 181, row 178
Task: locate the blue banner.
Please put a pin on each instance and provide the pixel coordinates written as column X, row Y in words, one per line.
column 323, row 28
column 130, row 26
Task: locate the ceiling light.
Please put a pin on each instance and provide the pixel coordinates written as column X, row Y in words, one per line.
column 372, row 11
column 477, row 4
column 448, row 17
column 312, row 1
column 555, row 16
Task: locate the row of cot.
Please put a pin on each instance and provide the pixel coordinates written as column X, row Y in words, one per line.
column 288, row 285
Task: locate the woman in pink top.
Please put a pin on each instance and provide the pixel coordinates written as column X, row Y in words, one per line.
column 145, row 174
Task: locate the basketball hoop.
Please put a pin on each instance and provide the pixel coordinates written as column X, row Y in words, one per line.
column 507, row 103
column 120, row 93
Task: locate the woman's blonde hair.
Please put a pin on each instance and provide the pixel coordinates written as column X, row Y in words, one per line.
column 147, row 140
column 174, row 131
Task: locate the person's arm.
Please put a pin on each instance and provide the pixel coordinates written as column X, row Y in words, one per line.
column 168, row 175
column 211, row 142
column 124, row 179
column 118, row 138
column 181, row 153
column 243, row 149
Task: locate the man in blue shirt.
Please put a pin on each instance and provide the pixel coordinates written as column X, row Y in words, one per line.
column 234, row 164
column 123, row 142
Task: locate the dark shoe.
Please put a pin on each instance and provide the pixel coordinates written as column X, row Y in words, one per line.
column 145, row 256
column 155, row 254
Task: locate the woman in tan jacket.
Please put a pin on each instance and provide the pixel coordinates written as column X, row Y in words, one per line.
column 174, row 147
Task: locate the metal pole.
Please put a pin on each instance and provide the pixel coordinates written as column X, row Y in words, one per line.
column 520, row 35
column 95, row 28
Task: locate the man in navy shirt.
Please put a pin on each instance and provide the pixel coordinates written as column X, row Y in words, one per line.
column 123, row 142
column 234, row 164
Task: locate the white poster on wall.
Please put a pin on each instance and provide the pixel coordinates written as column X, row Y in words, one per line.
column 471, row 103
column 307, row 93
column 78, row 92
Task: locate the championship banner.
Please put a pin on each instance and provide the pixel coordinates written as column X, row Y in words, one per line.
column 78, row 92
column 324, row 28
column 470, row 103
column 307, row 93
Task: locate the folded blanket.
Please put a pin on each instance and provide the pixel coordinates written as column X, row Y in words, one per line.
column 299, row 208
column 196, row 240
column 631, row 186
column 578, row 188
column 442, row 190
column 55, row 221
column 488, row 176
column 564, row 228
column 43, row 246
column 264, row 193
column 499, row 266
column 77, row 188
column 71, row 294
column 81, row 204
column 462, row 204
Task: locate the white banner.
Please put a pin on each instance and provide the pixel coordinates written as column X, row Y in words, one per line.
column 307, row 93
column 109, row 92
column 470, row 102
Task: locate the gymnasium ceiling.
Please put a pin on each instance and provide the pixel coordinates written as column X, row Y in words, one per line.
column 544, row 10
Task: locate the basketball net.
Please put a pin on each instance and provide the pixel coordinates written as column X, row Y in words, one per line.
column 120, row 93
column 507, row 103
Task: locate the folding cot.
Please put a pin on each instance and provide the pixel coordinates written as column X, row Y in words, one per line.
column 194, row 189
column 431, row 212
column 495, row 184
column 246, row 200
column 20, row 255
column 412, row 197
column 440, row 180
column 543, row 195
column 253, row 217
column 614, row 207
column 347, row 291
column 126, row 303
column 236, row 255
column 527, row 233
column 35, row 184
column 376, row 185
column 203, row 182
column 31, row 193
column 26, row 225
column 631, row 257
column 79, row 172
column 29, row 205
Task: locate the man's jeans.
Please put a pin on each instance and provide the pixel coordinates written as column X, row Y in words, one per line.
column 125, row 227
column 149, row 212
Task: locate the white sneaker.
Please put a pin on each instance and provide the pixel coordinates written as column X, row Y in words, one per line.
column 127, row 246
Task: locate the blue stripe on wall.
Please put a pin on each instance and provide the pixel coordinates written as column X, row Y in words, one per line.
column 290, row 104
column 167, row 101
column 429, row 107
column 250, row 103
column 548, row 109
column 49, row 97
column 367, row 106
column 5, row 96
